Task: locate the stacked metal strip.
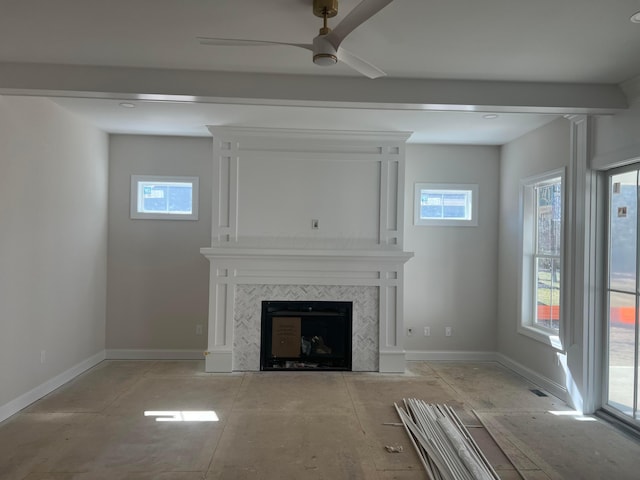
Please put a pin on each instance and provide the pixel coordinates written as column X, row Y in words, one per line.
column 445, row 447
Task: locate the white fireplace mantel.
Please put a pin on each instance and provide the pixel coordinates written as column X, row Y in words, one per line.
column 230, row 267
column 279, row 254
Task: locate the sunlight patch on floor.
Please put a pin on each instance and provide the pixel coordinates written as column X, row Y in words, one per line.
column 573, row 413
column 182, row 415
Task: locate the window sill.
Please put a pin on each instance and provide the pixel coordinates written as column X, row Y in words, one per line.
column 162, row 216
column 542, row 336
column 445, row 223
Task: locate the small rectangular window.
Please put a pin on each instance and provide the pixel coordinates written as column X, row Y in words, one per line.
column 168, row 198
column 446, row 204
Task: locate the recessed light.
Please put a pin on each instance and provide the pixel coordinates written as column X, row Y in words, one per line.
column 490, row 116
column 635, row 18
column 127, row 105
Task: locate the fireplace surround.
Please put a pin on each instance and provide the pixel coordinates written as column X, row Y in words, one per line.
column 312, row 216
column 241, row 279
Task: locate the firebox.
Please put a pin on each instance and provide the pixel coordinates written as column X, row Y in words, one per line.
column 312, row 335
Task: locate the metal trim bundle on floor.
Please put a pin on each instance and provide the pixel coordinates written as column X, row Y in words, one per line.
column 445, row 447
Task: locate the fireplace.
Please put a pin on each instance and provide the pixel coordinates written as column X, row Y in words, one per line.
column 268, row 185
column 241, row 279
column 298, row 335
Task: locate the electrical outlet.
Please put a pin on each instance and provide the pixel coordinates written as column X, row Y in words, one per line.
column 43, row 356
column 427, row 331
column 448, row 331
column 199, row 329
column 409, row 332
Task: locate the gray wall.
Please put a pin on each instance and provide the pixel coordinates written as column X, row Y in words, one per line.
column 617, row 138
column 53, row 243
column 56, row 172
column 540, row 151
column 452, row 280
column 157, row 280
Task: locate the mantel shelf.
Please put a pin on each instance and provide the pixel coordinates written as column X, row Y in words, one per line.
column 379, row 255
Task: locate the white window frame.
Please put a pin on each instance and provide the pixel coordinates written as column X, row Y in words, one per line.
column 448, row 222
column 527, row 280
column 136, row 199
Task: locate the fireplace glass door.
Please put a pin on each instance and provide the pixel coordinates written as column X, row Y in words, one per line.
column 306, row 335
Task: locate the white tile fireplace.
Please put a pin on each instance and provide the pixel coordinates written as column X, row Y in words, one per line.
column 241, row 279
column 306, row 215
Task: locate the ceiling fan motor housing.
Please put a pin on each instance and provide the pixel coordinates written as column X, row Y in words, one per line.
column 323, row 52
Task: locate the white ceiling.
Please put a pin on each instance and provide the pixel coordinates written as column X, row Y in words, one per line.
column 574, row 41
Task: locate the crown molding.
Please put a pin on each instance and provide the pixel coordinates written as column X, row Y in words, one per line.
column 296, row 134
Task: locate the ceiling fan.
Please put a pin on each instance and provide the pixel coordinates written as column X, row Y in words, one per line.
column 326, row 47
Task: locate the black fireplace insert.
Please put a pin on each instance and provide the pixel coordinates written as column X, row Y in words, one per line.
column 306, row 335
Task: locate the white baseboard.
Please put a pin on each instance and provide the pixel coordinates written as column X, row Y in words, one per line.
column 219, row 361
column 547, row 384
column 391, row 361
column 26, row 399
column 14, row 406
column 450, row 356
column 151, row 354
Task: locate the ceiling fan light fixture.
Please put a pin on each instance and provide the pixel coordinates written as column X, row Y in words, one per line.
column 325, row 59
column 635, row 18
column 324, row 53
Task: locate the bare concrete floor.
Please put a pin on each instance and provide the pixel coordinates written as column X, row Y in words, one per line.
column 290, row 425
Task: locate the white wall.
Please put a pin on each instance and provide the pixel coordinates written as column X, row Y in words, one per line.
column 616, row 138
column 53, row 243
column 271, row 183
column 542, row 150
column 157, row 280
column 280, row 196
column 452, row 280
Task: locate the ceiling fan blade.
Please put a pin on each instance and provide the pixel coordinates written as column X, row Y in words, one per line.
column 360, row 14
column 234, row 42
column 359, row 64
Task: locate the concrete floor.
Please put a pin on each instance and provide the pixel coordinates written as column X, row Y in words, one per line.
column 294, row 425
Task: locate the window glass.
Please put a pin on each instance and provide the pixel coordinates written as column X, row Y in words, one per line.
column 167, row 197
column 547, row 312
column 549, row 218
column 623, row 226
column 446, row 204
column 542, row 246
column 154, row 197
column 548, row 244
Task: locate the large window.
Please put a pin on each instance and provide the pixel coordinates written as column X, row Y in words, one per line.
column 446, row 204
column 622, row 345
column 173, row 198
column 542, row 246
